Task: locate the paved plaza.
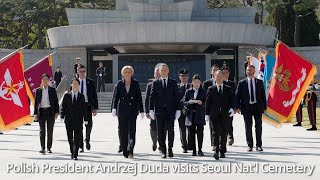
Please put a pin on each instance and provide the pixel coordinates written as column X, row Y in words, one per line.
column 289, row 149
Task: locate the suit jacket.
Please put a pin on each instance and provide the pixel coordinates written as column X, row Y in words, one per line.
column 206, row 84
column 199, row 109
column 168, row 98
column 73, row 112
column 123, row 100
column 232, row 84
column 91, row 93
column 243, row 98
column 182, row 90
column 53, row 98
column 217, row 104
column 147, row 99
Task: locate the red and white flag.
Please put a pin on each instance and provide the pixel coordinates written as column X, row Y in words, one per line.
column 14, row 91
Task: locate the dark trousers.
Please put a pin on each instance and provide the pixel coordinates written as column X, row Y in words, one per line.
column 299, row 114
column 183, row 131
column 192, row 131
column 100, row 84
column 230, row 128
column 153, row 131
column 46, row 117
column 312, row 104
column 220, row 133
column 127, row 131
column 165, row 124
column 248, row 121
column 88, row 127
column 211, row 127
column 74, row 138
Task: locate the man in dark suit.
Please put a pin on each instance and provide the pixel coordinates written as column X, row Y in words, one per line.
column 87, row 88
column 182, row 87
column 232, row 84
column 251, row 102
column 153, row 124
column 206, row 85
column 219, row 107
column 76, row 66
column 73, row 111
column 46, row 110
column 165, row 108
column 101, row 74
column 57, row 77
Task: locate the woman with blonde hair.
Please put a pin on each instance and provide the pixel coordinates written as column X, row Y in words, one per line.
column 127, row 103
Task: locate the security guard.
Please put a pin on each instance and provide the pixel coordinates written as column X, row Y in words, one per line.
column 311, row 102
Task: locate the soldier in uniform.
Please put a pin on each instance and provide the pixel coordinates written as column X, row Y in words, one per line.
column 101, row 74
column 182, row 87
column 299, row 115
column 311, row 102
column 153, row 124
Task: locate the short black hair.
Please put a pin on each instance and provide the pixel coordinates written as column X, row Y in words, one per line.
column 196, row 76
column 76, row 79
column 45, row 75
column 81, row 66
column 225, row 68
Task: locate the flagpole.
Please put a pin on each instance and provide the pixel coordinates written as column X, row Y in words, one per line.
column 11, row 54
column 40, row 60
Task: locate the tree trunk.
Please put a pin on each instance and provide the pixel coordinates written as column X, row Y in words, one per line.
column 297, row 32
column 40, row 35
column 25, row 37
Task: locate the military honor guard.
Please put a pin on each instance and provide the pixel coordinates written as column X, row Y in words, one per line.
column 182, row 87
column 194, row 101
column 46, row 110
column 311, row 103
column 165, row 107
column 127, row 104
column 73, row 112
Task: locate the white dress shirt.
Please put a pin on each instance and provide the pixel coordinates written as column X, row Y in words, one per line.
column 74, row 93
column 162, row 82
column 220, row 88
column 84, row 88
column 254, row 90
column 45, row 102
column 195, row 93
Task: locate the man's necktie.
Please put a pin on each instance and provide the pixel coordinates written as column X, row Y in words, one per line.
column 82, row 86
column 220, row 90
column 164, row 84
column 74, row 98
column 251, row 94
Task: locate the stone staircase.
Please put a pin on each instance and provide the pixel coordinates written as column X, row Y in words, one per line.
column 105, row 100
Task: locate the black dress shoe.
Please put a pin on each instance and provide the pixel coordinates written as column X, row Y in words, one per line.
column 216, row 156
column 28, row 124
column 222, row 155
column 298, row 124
column 194, row 153
column 259, row 149
column 314, row 128
column 1, row 132
column 49, row 151
column 213, row 148
column 249, row 149
column 125, row 154
column 154, row 147
column 119, row 150
column 76, row 158
column 163, row 156
column 42, row 151
column 88, row 146
column 130, row 155
column 200, row 153
column 185, row 150
column 170, row 153
column 81, row 150
column 71, row 156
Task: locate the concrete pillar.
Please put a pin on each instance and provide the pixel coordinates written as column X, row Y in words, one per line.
column 208, row 66
column 115, row 67
column 122, row 5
